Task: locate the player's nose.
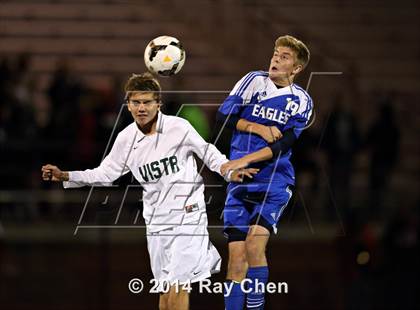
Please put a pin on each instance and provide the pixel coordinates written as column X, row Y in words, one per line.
column 141, row 107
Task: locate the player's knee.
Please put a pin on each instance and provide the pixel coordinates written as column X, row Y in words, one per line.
column 173, row 301
column 163, row 304
column 238, row 265
column 177, row 300
column 254, row 250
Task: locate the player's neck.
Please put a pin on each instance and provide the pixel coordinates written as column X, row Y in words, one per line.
column 283, row 82
column 149, row 128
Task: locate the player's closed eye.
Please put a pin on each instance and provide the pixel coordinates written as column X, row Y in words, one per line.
column 145, row 102
column 282, row 56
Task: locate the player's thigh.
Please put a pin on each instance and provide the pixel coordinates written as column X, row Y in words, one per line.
column 236, row 218
column 158, row 245
column 193, row 257
column 186, row 253
column 269, row 211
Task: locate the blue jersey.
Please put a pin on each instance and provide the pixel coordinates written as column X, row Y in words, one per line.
column 257, row 99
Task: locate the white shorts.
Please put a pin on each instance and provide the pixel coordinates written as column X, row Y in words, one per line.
column 182, row 254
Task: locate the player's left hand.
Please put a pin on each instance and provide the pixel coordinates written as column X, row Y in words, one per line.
column 238, row 175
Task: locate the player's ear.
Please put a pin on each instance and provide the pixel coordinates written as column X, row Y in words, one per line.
column 297, row 69
column 126, row 99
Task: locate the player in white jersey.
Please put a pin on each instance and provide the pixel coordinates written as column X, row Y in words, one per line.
column 158, row 150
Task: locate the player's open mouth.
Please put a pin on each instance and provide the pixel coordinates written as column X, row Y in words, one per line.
column 273, row 69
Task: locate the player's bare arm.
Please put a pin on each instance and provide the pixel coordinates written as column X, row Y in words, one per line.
column 261, row 155
column 282, row 146
column 269, row 133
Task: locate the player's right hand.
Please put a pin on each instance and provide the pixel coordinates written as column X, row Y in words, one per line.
column 269, row 133
column 234, row 165
column 52, row 173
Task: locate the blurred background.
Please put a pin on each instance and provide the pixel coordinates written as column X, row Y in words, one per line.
column 349, row 240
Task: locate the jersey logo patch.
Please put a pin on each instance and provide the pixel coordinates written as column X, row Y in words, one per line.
column 191, row 208
column 261, row 95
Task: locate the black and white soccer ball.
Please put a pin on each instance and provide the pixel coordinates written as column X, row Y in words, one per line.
column 164, row 56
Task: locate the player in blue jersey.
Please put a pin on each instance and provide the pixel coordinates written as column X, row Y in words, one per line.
column 267, row 112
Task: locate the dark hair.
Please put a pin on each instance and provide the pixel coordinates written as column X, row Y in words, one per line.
column 145, row 82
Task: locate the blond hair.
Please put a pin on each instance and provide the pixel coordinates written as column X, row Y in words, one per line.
column 301, row 50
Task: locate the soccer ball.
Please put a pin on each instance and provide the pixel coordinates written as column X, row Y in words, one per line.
column 164, row 56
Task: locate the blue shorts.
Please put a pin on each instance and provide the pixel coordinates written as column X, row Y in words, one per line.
column 251, row 204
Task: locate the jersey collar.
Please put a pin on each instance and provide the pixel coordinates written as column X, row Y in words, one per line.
column 159, row 125
column 286, row 89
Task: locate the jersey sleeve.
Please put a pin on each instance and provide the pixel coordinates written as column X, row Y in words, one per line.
column 207, row 152
column 300, row 116
column 241, row 94
column 111, row 168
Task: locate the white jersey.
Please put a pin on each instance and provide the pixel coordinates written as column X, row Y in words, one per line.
column 163, row 163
